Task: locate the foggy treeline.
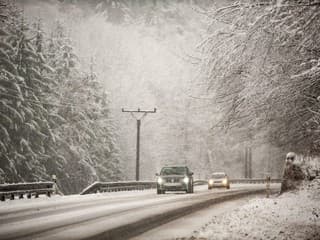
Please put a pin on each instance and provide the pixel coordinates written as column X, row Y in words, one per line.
column 223, row 75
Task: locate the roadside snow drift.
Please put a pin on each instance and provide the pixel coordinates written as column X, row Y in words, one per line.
column 293, row 215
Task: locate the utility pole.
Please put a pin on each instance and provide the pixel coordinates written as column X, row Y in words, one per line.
column 245, row 162
column 144, row 113
column 248, row 162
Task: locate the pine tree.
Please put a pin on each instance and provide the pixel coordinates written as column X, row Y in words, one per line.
column 23, row 115
column 85, row 140
column 54, row 118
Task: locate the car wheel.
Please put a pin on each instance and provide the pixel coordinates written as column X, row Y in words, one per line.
column 209, row 188
column 190, row 189
column 159, row 191
column 228, row 187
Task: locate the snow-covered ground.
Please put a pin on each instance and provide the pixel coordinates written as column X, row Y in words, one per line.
column 88, row 216
column 293, row 215
column 290, row 216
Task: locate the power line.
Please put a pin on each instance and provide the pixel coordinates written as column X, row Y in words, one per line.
column 40, row 105
column 65, row 104
column 66, row 98
column 33, row 90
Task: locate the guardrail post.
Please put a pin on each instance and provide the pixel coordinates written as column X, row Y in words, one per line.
column 268, row 185
column 54, row 180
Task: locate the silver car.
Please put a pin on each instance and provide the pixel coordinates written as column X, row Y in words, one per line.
column 175, row 178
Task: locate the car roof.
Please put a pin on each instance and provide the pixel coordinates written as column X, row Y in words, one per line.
column 175, row 166
column 214, row 173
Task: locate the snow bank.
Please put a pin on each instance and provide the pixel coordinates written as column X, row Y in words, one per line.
column 293, row 215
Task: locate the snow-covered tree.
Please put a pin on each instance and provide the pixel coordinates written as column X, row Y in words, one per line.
column 54, row 118
column 23, row 116
column 86, row 141
column 262, row 66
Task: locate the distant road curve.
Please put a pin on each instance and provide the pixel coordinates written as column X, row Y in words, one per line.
column 109, row 216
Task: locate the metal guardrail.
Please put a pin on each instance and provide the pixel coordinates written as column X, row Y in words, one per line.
column 242, row 180
column 97, row 187
column 200, row 182
column 10, row 191
column 254, row 180
column 118, row 186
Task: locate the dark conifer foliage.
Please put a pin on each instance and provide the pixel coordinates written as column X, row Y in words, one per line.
column 23, row 116
column 54, row 118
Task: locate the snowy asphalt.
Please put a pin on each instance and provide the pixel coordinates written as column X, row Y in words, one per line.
column 106, row 216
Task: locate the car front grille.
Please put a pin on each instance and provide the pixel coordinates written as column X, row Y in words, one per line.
column 173, row 180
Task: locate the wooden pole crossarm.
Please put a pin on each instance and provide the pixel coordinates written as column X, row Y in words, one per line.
column 140, row 111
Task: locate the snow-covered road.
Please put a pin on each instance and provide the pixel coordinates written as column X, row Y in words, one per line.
column 188, row 226
column 104, row 216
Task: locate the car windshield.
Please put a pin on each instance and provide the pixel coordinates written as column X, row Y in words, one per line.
column 173, row 171
column 218, row 175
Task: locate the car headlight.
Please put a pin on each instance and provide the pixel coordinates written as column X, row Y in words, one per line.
column 186, row 180
column 160, row 180
column 211, row 182
column 224, row 181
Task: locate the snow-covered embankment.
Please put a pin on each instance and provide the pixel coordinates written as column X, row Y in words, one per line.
column 292, row 215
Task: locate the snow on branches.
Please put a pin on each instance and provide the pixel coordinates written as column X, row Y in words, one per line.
column 262, row 63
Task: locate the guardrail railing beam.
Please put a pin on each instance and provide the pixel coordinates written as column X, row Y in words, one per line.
column 142, row 185
column 10, row 191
